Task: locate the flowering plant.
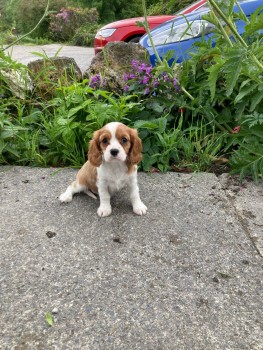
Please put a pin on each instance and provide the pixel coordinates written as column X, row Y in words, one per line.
column 96, row 81
column 64, row 24
column 145, row 80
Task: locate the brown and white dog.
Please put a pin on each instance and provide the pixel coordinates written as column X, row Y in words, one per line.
column 113, row 155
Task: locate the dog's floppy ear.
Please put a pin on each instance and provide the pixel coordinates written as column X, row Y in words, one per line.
column 95, row 153
column 135, row 154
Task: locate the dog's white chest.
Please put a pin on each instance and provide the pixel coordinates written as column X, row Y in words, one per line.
column 118, row 184
column 114, row 175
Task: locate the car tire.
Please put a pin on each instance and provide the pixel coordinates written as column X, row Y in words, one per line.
column 135, row 39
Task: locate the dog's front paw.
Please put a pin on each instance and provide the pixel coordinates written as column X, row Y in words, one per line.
column 65, row 197
column 104, row 211
column 140, row 208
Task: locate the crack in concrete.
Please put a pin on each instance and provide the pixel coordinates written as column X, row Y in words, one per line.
column 244, row 222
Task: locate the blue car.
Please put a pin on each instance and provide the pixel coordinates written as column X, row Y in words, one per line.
column 180, row 34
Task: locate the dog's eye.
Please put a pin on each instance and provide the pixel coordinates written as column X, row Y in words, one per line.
column 124, row 140
column 105, row 140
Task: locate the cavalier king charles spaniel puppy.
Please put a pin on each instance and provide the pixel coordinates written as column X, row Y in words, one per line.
column 113, row 155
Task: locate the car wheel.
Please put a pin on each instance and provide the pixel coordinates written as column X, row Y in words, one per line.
column 135, row 39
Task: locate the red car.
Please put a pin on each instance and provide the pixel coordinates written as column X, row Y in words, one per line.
column 128, row 31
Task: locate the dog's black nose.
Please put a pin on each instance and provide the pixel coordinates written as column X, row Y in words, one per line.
column 114, row 152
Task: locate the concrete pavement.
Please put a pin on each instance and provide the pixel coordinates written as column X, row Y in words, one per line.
column 187, row 276
column 25, row 53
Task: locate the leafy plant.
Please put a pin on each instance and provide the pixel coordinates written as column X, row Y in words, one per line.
column 84, row 35
column 247, row 159
column 188, row 116
column 29, row 12
column 64, row 24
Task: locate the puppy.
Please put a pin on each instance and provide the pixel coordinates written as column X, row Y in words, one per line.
column 113, row 155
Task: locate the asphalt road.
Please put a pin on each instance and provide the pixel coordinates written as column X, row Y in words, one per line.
column 27, row 53
column 186, row 276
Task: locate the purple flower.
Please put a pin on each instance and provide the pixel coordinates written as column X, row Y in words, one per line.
column 142, row 67
column 95, row 81
column 147, row 90
column 165, row 77
column 126, row 77
column 155, row 83
column 63, row 13
column 148, row 70
column 175, row 83
column 134, row 64
column 95, row 78
column 145, row 80
column 126, row 88
column 131, row 76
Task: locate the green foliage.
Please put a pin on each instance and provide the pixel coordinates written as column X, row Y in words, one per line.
column 110, row 11
column 165, row 7
column 29, row 12
column 247, row 159
column 187, row 116
column 225, row 84
column 57, row 132
column 84, row 35
column 63, row 25
column 7, row 38
column 7, row 9
column 24, row 14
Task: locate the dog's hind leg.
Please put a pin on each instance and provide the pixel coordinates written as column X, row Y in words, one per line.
column 75, row 187
column 89, row 193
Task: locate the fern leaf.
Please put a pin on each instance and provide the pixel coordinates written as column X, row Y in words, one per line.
column 253, row 119
column 213, row 75
column 248, row 160
column 232, row 67
column 256, row 99
column 256, row 22
column 257, row 49
column 244, row 91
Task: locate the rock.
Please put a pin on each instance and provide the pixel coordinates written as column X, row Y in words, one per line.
column 39, row 76
column 18, row 81
column 55, row 311
column 45, row 71
column 114, row 61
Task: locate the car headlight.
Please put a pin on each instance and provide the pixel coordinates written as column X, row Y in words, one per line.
column 182, row 32
column 105, row 33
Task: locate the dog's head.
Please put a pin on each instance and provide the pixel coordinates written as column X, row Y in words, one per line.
column 115, row 142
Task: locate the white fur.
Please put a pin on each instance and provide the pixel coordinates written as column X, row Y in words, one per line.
column 112, row 176
column 76, row 187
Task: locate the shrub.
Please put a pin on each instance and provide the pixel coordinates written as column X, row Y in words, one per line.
column 225, row 82
column 165, row 7
column 29, row 12
column 7, row 11
column 84, row 36
column 7, row 37
column 170, row 141
column 222, row 84
column 64, row 24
